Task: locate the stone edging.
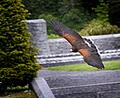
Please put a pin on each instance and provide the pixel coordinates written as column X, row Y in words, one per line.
column 62, row 84
column 41, row 88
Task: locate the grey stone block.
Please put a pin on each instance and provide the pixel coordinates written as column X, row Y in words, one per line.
column 109, row 94
column 97, row 84
column 38, row 30
column 41, row 88
column 81, row 89
column 88, row 91
column 63, row 78
column 77, row 95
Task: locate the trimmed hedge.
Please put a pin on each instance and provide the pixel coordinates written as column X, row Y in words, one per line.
column 17, row 57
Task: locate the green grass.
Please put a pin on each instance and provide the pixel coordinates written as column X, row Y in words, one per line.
column 109, row 65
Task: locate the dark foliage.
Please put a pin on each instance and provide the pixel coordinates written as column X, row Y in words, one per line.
column 114, row 12
column 74, row 13
column 17, row 62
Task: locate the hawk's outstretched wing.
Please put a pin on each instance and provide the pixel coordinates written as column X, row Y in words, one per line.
column 90, row 53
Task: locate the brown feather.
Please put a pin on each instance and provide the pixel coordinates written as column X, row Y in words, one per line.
column 71, row 39
column 84, row 52
column 91, row 56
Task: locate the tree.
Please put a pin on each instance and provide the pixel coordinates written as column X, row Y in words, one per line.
column 89, row 4
column 102, row 11
column 101, row 24
column 114, row 12
column 48, row 18
column 76, row 18
column 38, row 7
column 17, row 57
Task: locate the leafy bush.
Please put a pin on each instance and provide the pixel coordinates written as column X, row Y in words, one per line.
column 48, row 18
column 101, row 24
column 102, row 11
column 53, row 36
column 98, row 27
column 17, row 57
column 38, row 7
column 76, row 18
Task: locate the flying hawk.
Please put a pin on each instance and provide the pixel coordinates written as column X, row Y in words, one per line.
column 79, row 44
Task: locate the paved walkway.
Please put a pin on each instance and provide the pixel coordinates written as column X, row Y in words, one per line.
column 62, row 84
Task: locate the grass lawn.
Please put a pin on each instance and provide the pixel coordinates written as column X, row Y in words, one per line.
column 109, row 65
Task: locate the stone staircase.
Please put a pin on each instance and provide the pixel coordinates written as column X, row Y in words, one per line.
column 62, row 84
column 73, row 58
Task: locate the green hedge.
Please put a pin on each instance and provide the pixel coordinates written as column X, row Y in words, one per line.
column 98, row 27
column 17, row 57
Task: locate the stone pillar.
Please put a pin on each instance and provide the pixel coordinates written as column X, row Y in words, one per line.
column 38, row 30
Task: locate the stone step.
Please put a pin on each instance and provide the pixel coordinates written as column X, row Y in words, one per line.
column 73, row 54
column 63, row 78
column 101, row 90
column 96, row 84
column 73, row 58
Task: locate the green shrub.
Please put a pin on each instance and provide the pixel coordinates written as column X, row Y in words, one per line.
column 53, row 36
column 76, row 18
column 38, row 7
column 17, row 57
column 101, row 24
column 98, row 27
column 102, row 11
column 48, row 18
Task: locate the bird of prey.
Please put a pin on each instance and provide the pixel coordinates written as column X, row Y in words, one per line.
column 79, row 44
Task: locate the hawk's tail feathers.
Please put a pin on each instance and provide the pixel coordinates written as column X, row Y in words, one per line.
column 91, row 43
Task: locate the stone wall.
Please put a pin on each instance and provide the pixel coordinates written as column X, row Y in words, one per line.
column 60, row 46
column 38, row 30
column 103, row 42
